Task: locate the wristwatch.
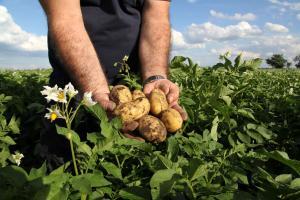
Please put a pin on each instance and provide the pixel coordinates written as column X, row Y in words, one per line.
column 152, row 79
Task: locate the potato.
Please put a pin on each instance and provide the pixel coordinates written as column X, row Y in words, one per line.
column 133, row 110
column 137, row 94
column 152, row 129
column 158, row 102
column 120, row 94
column 172, row 120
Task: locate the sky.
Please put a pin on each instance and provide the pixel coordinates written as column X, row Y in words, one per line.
column 201, row 29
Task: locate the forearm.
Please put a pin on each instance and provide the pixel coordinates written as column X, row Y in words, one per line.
column 79, row 58
column 154, row 43
column 72, row 44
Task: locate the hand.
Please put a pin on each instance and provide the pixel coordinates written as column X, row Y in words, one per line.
column 172, row 92
column 103, row 99
column 128, row 127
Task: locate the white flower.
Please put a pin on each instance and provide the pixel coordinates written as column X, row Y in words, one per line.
column 50, row 93
column 125, row 59
column 17, row 157
column 87, row 99
column 70, row 90
column 53, row 114
column 61, row 96
column 56, row 94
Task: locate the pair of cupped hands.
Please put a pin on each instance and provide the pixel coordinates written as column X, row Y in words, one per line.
column 168, row 87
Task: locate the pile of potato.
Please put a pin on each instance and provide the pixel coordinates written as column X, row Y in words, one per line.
column 153, row 115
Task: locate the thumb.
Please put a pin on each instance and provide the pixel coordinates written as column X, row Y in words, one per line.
column 108, row 105
column 148, row 88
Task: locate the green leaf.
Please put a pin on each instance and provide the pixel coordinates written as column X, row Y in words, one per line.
column 168, row 164
column 266, row 133
column 92, row 137
column 57, row 194
column 116, row 123
column 295, row 184
column 112, row 169
column 161, row 176
column 187, row 101
column 225, row 91
column 178, row 59
column 244, row 138
column 237, row 61
column 214, row 129
column 14, row 175
column 246, row 113
column 283, row 158
column 37, row 173
column 162, row 182
column 97, row 179
column 82, row 184
column 98, row 112
column 226, row 99
column 135, row 193
column 284, row 178
column 61, row 169
column 173, row 149
column 252, row 64
column 240, row 175
column 7, row 140
column 256, row 136
column 84, row 148
column 196, row 169
column 14, row 125
column 69, row 134
column 4, row 155
column 106, row 129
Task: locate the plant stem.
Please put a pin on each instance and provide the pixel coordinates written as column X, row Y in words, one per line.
column 83, row 196
column 74, row 113
column 118, row 161
column 73, row 157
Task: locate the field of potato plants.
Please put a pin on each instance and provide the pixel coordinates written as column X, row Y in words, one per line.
column 241, row 141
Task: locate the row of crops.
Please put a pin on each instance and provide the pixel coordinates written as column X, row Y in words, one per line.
column 242, row 140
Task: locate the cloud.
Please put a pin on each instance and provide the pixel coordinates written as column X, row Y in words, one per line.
column 235, row 50
column 20, row 49
column 287, row 4
column 242, row 37
column 199, row 33
column 298, row 16
column 236, row 16
column 276, row 27
column 179, row 42
column 12, row 34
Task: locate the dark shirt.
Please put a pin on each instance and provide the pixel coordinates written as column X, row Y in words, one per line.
column 113, row 27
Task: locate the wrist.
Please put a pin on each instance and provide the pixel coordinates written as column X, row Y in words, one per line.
column 153, row 78
column 154, row 71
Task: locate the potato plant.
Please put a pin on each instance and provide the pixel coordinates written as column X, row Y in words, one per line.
column 241, row 140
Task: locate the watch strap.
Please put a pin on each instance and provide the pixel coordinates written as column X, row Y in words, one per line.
column 153, row 78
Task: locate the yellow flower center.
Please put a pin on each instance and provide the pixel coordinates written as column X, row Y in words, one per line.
column 61, row 95
column 53, row 116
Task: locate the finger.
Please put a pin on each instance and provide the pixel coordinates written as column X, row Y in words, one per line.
column 173, row 94
column 133, row 137
column 173, row 104
column 165, row 87
column 130, row 126
column 181, row 111
column 108, row 105
column 148, row 88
